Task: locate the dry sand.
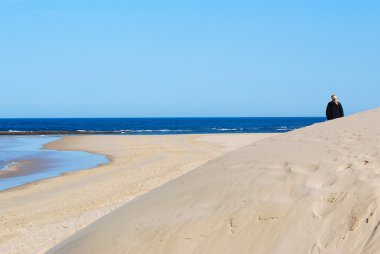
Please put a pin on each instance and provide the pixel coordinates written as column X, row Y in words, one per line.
column 37, row 216
column 313, row 190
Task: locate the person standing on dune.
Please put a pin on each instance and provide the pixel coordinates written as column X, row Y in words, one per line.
column 334, row 108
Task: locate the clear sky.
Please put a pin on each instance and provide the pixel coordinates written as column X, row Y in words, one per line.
column 121, row 58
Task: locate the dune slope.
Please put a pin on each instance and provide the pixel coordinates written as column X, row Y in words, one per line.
column 313, row 190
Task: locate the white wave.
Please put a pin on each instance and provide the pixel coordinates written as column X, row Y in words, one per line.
column 15, row 131
column 282, row 128
column 8, row 165
column 142, row 131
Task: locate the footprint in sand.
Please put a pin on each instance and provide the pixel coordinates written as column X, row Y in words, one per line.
column 365, row 162
column 270, row 176
column 324, row 205
column 308, row 169
column 275, row 170
column 344, row 167
column 319, row 180
column 317, row 248
column 350, row 165
column 369, row 175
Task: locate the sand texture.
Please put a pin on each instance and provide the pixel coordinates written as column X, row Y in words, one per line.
column 313, row 190
column 37, row 216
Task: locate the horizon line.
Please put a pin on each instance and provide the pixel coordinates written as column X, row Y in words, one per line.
column 159, row 117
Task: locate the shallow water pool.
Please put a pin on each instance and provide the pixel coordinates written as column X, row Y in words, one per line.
column 23, row 160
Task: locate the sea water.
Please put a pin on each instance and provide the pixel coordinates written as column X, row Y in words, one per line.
column 41, row 163
column 155, row 126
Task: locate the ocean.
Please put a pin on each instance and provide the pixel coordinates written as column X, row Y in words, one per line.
column 154, row 126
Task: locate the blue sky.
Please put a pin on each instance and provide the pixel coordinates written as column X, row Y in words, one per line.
column 187, row 58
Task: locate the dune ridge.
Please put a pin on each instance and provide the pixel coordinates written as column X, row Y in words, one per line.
column 312, row 190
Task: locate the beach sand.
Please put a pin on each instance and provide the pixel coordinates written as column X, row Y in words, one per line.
column 37, row 216
column 312, row 190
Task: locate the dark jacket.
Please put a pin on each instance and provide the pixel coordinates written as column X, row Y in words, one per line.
column 334, row 111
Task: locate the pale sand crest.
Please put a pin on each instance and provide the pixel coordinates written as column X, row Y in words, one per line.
column 37, row 216
column 313, row 190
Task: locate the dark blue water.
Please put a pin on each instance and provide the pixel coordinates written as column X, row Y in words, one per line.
column 148, row 126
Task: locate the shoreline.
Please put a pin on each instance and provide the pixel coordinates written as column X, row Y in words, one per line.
column 60, row 206
column 31, row 161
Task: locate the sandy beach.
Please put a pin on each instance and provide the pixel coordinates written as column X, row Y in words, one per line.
column 313, row 190
column 37, row 216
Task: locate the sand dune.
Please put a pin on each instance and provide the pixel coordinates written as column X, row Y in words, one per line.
column 37, row 216
column 313, row 190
